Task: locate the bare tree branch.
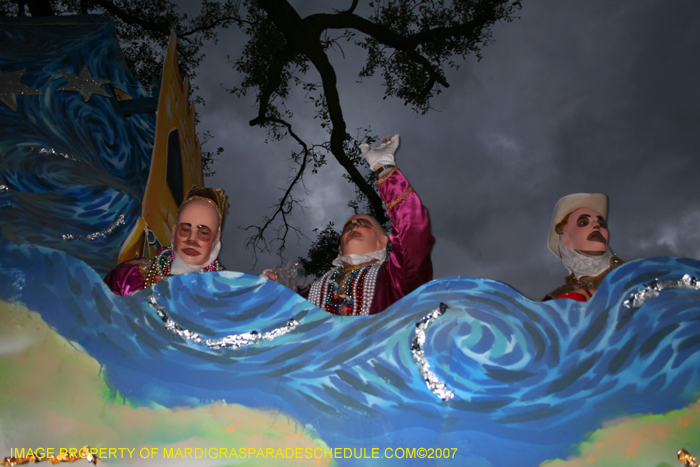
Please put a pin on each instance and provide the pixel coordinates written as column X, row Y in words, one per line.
column 410, row 40
column 405, row 43
column 220, row 22
column 352, row 7
column 307, row 42
column 161, row 27
column 284, row 204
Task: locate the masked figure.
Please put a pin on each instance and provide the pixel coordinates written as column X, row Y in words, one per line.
column 579, row 236
column 196, row 245
column 364, row 280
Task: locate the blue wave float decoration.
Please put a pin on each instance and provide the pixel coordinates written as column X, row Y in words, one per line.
column 530, row 376
column 95, row 161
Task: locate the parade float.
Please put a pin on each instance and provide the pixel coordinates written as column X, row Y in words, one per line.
column 227, row 368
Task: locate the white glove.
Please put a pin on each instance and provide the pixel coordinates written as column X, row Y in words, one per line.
column 381, row 155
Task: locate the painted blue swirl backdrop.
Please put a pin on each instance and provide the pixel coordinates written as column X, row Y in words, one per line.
column 535, row 377
column 100, row 160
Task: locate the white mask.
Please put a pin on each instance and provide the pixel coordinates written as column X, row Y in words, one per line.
column 179, row 265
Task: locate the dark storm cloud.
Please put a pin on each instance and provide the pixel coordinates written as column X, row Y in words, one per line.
column 573, row 96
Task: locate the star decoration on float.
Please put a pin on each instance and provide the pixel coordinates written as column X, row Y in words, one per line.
column 10, row 87
column 85, row 84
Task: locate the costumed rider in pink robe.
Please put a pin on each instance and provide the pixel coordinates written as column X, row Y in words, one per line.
column 579, row 236
column 196, row 245
column 364, row 280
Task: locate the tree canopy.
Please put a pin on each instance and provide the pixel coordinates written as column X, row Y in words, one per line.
column 410, row 43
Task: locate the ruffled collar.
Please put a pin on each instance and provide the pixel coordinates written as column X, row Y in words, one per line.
column 580, row 264
column 351, row 259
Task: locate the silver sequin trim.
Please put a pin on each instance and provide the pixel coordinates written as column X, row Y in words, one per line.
column 652, row 290
column 96, row 235
column 436, row 386
column 55, row 153
column 236, row 341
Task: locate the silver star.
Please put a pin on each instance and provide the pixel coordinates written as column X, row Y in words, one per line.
column 85, row 84
column 10, row 87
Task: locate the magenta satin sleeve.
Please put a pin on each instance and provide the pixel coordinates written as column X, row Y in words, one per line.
column 125, row 279
column 409, row 265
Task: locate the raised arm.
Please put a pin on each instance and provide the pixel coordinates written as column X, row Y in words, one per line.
column 409, row 265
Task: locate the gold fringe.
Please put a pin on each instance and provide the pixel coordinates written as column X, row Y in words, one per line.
column 399, row 199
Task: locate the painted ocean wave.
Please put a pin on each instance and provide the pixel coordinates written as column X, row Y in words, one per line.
column 531, row 375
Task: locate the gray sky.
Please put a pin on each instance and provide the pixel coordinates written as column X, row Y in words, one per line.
column 572, row 97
